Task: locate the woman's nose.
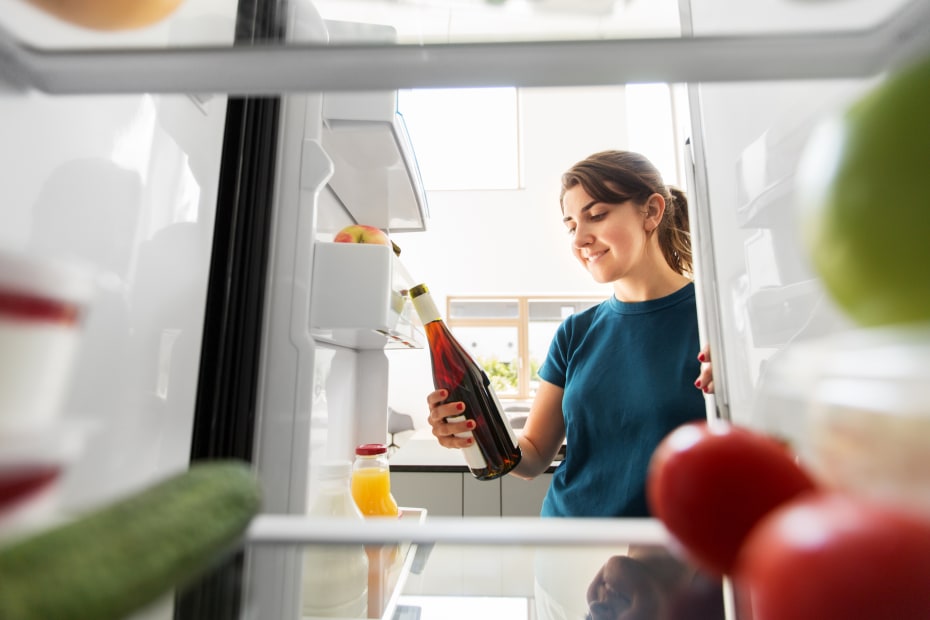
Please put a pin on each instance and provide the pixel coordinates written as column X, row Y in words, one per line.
column 581, row 238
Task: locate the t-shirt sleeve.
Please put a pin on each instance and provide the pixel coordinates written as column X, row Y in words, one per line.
column 555, row 365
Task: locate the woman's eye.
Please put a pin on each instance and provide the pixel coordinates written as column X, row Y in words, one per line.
column 597, row 217
column 570, row 231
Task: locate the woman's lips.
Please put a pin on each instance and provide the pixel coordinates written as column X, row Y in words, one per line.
column 594, row 257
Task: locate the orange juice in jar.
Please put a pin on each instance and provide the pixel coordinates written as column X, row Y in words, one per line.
column 371, row 482
column 371, row 490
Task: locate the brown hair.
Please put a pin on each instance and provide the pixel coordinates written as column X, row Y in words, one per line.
column 617, row 176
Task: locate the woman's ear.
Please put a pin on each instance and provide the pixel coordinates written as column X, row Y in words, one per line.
column 655, row 209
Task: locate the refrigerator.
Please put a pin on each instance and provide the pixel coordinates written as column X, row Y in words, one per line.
column 197, row 169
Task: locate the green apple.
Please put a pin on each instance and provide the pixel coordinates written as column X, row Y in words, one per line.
column 865, row 201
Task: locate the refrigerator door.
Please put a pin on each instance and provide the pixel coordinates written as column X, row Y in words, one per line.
column 760, row 292
column 266, row 387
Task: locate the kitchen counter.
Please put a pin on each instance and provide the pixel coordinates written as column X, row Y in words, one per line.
column 421, row 452
column 424, row 473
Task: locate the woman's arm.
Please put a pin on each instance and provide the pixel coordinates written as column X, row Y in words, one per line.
column 540, row 440
column 543, row 432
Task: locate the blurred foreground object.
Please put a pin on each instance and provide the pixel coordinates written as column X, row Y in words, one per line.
column 109, row 14
column 123, row 556
column 866, row 204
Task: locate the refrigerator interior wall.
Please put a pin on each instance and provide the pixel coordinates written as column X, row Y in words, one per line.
column 753, row 137
column 126, row 186
column 302, row 314
column 321, row 393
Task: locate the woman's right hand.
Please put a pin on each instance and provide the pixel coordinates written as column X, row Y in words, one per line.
column 445, row 431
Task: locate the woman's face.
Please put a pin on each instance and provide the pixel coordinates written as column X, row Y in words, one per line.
column 609, row 240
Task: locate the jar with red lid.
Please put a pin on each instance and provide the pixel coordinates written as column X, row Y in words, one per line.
column 371, row 481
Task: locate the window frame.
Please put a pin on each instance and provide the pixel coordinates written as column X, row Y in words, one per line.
column 521, row 322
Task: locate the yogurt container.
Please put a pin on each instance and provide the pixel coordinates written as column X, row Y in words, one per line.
column 42, row 304
column 860, row 416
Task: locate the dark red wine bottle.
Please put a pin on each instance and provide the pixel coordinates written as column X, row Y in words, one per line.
column 495, row 450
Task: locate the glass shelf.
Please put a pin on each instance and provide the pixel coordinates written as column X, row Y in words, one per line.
column 776, row 39
column 545, row 568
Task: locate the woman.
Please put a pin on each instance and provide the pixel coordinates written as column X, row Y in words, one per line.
column 621, row 375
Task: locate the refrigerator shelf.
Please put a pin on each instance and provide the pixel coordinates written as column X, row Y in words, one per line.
column 298, row 67
column 359, row 298
column 275, row 529
column 375, row 170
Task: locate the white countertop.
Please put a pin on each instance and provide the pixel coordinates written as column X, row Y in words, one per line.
column 422, row 451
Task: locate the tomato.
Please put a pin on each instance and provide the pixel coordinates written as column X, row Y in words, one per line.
column 710, row 483
column 828, row 555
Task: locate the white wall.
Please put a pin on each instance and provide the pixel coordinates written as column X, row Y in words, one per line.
column 510, row 241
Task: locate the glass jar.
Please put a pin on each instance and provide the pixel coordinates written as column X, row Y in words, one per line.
column 335, row 577
column 371, row 481
column 858, row 404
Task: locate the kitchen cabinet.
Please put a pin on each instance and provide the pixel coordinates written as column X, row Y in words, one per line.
column 456, row 494
column 440, row 492
column 523, row 498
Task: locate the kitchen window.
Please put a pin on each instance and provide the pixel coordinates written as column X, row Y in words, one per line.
column 465, row 138
column 509, row 336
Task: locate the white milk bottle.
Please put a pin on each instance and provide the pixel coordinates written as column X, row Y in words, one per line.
column 335, row 577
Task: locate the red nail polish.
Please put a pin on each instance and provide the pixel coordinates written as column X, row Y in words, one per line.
column 460, row 407
column 471, row 424
column 697, row 383
column 705, row 391
column 702, row 357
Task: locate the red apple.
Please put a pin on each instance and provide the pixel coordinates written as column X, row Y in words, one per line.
column 363, row 233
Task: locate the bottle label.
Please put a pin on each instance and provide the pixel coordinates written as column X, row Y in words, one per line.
column 426, row 308
column 472, row 453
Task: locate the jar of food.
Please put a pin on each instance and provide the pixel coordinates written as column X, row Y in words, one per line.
column 42, row 305
column 860, row 417
column 371, row 481
column 335, row 577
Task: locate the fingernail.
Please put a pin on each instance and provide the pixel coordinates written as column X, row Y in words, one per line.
column 471, row 424
column 470, row 441
column 697, row 383
column 706, row 391
column 702, row 357
column 444, row 393
column 460, row 407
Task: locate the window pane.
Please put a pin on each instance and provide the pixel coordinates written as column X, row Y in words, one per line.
column 540, row 336
column 557, row 309
column 494, row 309
column 495, row 349
column 464, row 138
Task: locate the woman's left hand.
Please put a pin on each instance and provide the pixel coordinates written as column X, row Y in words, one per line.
column 705, row 381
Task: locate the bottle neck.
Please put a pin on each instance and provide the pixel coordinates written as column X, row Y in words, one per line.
column 426, row 308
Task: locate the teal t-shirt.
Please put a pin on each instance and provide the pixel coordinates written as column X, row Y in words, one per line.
column 628, row 372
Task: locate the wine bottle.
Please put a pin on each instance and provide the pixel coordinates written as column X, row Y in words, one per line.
column 495, row 450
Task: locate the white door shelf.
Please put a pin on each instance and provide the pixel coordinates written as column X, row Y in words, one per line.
column 359, row 298
column 376, row 174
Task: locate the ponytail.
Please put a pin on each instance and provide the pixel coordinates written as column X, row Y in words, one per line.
column 675, row 232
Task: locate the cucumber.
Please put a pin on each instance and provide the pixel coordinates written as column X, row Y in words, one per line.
column 115, row 560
